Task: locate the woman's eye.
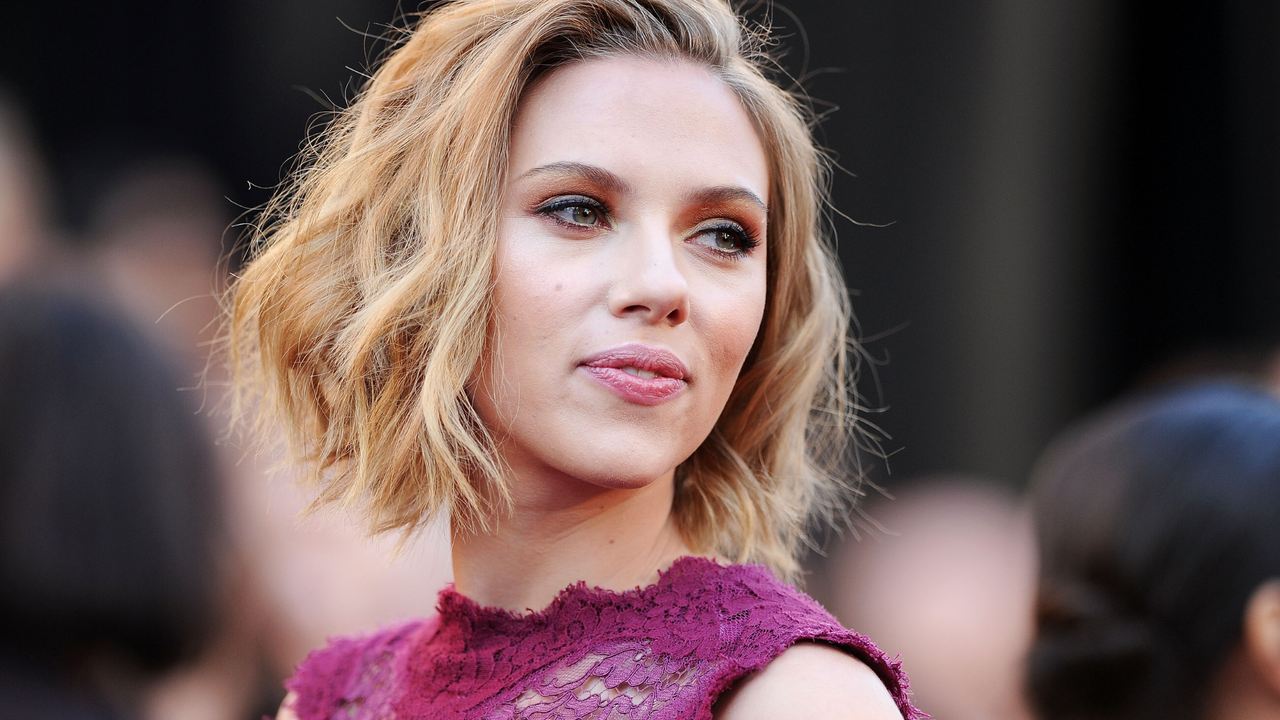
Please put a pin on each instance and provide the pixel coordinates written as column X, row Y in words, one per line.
column 580, row 215
column 576, row 211
column 726, row 240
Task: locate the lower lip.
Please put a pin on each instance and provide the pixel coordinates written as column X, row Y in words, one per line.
column 638, row 390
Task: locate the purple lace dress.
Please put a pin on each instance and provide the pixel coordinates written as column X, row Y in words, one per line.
column 662, row 652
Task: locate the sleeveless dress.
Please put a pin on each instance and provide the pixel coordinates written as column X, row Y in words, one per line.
column 662, row 652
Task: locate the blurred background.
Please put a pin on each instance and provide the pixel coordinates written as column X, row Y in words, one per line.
column 1041, row 207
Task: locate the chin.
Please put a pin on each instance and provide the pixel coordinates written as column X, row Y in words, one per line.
column 621, row 468
column 618, row 482
column 623, row 477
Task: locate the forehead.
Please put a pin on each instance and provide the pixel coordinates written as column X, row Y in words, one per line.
column 647, row 118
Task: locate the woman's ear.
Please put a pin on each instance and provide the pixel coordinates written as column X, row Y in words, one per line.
column 1262, row 632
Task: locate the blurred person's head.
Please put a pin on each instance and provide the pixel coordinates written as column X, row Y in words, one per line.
column 22, row 190
column 107, row 497
column 156, row 230
column 949, row 584
column 1159, row 530
column 165, row 203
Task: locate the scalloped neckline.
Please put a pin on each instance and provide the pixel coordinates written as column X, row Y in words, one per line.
column 453, row 603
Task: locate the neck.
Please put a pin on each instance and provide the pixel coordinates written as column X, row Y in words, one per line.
column 565, row 532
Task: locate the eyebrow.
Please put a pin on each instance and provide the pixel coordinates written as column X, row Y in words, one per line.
column 590, row 173
column 609, row 181
column 726, row 194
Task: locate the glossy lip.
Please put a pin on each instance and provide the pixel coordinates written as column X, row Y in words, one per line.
column 606, row 367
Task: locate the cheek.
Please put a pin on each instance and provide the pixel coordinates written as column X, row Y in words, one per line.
column 498, row 379
column 534, row 297
column 731, row 319
column 534, row 305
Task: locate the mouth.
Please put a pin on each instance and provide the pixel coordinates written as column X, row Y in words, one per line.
column 638, row 373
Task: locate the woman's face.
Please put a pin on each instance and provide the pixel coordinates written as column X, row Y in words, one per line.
column 630, row 273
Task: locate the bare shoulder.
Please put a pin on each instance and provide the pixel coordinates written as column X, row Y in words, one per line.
column 286, row 709
column 810, row 680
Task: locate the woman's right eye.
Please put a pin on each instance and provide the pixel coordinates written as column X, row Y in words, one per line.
column 576, row 211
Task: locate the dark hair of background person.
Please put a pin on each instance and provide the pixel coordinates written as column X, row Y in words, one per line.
column 108, row 503
column 1156, row 523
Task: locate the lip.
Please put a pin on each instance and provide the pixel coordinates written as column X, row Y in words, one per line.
column 606, row 367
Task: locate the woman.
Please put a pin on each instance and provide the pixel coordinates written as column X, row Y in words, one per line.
column 1159, row 527
column 558, row 273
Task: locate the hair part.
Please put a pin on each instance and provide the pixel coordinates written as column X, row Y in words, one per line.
column 364, row 311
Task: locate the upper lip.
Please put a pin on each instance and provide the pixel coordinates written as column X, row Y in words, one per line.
column 641, row 357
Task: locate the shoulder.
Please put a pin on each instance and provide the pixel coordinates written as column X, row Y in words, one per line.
column 784, row 645
column 810, row 680
column 286, row 708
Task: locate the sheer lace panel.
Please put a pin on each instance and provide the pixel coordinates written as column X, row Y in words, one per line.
column 625, row 682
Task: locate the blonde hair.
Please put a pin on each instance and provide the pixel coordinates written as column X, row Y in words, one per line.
column 363, row 312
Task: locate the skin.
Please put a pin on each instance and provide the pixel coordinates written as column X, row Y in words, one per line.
column 636, row 189
column 1248, row 685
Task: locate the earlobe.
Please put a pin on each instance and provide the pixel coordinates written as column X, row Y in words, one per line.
column 1262, row 632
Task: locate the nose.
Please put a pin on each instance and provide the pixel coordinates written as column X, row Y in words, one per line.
column 648, row 282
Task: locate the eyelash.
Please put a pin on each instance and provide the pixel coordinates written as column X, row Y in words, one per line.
column 747, row 238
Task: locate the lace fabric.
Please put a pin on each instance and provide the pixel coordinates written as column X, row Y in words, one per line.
column 657, row 653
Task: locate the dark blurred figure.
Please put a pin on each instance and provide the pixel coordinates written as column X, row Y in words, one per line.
column 949, row 584
column 151, row 248
column 1159, row 532
column 23, row 206
column 108, row 513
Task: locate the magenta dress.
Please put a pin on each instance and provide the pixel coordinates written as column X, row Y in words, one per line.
column 662, row 652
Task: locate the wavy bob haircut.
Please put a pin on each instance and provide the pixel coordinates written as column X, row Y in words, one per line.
column 364, row 310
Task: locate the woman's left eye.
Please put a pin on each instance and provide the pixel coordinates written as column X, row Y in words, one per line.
column 727, row 240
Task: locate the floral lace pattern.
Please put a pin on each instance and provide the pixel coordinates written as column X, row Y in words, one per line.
column 662, row 652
